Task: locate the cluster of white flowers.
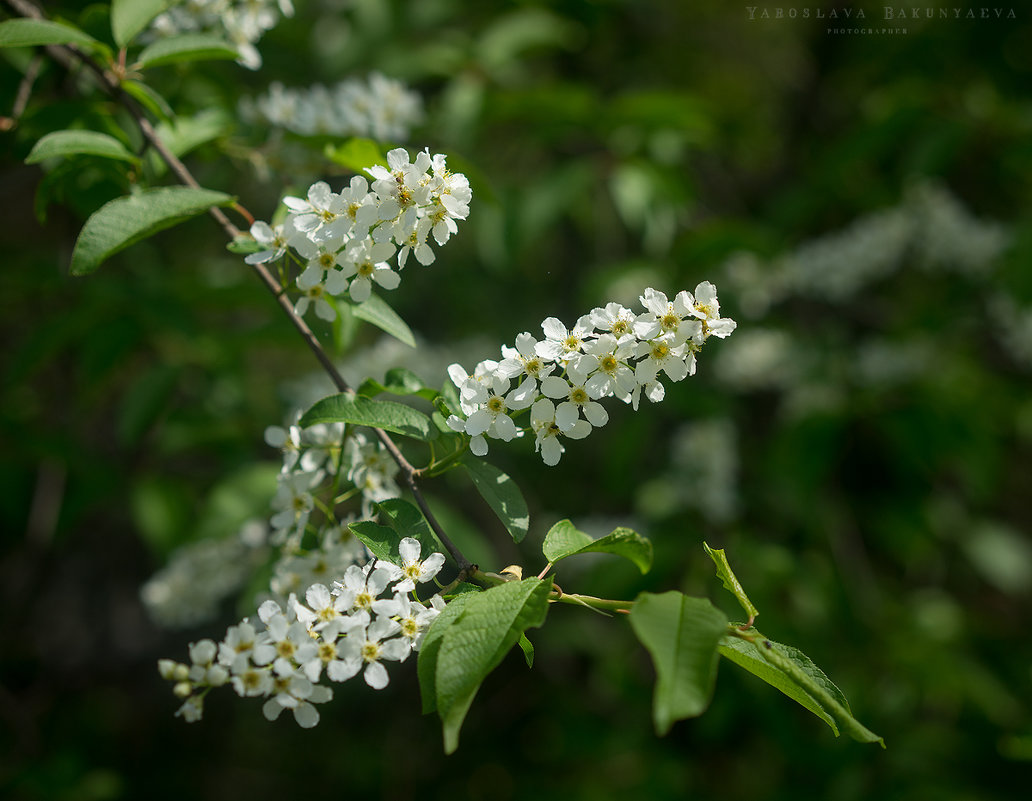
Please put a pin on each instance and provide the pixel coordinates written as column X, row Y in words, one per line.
column 242, row 22
column 380, row 107
column 343, row 240
column 368, row 618
column 610, row 352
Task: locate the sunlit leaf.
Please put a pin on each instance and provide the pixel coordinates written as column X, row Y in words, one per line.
column 187, row 47
column 564, row 540
column 126, row 220
column 71, row 143
column 129, row 17
column 354, row 409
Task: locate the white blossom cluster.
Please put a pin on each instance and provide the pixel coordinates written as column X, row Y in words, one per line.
column 610, row 352
column 380, row 107
column 343, row 240
column 242, row 22
column 369, row 617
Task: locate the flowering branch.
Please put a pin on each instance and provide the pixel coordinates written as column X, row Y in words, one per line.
column 111, row 85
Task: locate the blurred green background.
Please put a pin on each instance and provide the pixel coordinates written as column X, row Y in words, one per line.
column 861, row 446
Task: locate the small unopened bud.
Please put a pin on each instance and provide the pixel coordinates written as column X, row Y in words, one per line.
column 182, row 689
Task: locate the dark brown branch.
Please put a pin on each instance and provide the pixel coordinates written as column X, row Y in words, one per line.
column 112, row 86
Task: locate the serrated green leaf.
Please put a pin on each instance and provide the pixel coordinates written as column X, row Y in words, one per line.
column 564, row 540
column 71, row 143
column 745, row 656
column 730, row 581
column 187, row 47
column 33, row 32
column 463, row 646
column 375, row 310
column 356, row 154
column 426, row 667
column 129, row 17
column 682, row 635
column 502, row 495
column 126, row 220
column 792, row 672
column 354, row 409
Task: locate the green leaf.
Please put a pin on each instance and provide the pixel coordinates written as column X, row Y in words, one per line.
column 408, row 521
column 376, row 311
column 564, row 540
column 528, row 649
column 398, row 381
column 126, row 220
column 681, row 634
column 793, row 673
column 187, row 133
column 129, row 17
column 32, row 32
column 388, row 415
column 71, row 143
column 188, row 47
column 382, row 541
column 356, row 154
column 502, row 495
column 149, row 99
column 745, row 655
column 465, row 644
column 730, row 582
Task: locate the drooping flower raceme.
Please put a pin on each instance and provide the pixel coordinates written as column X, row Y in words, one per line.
column 610, row 352
column 355, row 627
column 342, row 241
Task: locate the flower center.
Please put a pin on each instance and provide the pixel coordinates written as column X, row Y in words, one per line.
column 371, row 651
column 579, row 396
column 365, row 269
column 660, row 350
column 609, row 363
column 495, row 405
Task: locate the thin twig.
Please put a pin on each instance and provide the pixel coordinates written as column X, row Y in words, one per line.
column 183, row 174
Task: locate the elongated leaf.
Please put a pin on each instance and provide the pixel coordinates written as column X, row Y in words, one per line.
column 32, row 32
column 564, row 540
column 376, row 311
column 528, row 649
column 188, row 47
column 787, row 666
column 149, row 99
column 745, row 655
column 126, row 220
column 469, row 644
column 730, row 581
column 388, row 415
column 502, row 495
column 129, row 17
column 681, row 634
column 356, row 154
column 71, row 143
column 426, row 667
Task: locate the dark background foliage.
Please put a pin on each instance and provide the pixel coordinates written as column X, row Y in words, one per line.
column 880, row 526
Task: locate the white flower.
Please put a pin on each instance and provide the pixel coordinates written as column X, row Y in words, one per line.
column 274, row 240
column 412, row 569
column 612, row 375
column 357, row 651
column 364, row 263
column 668, row 318
column 547, row 431
column 561, row 344
column 707, row 309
